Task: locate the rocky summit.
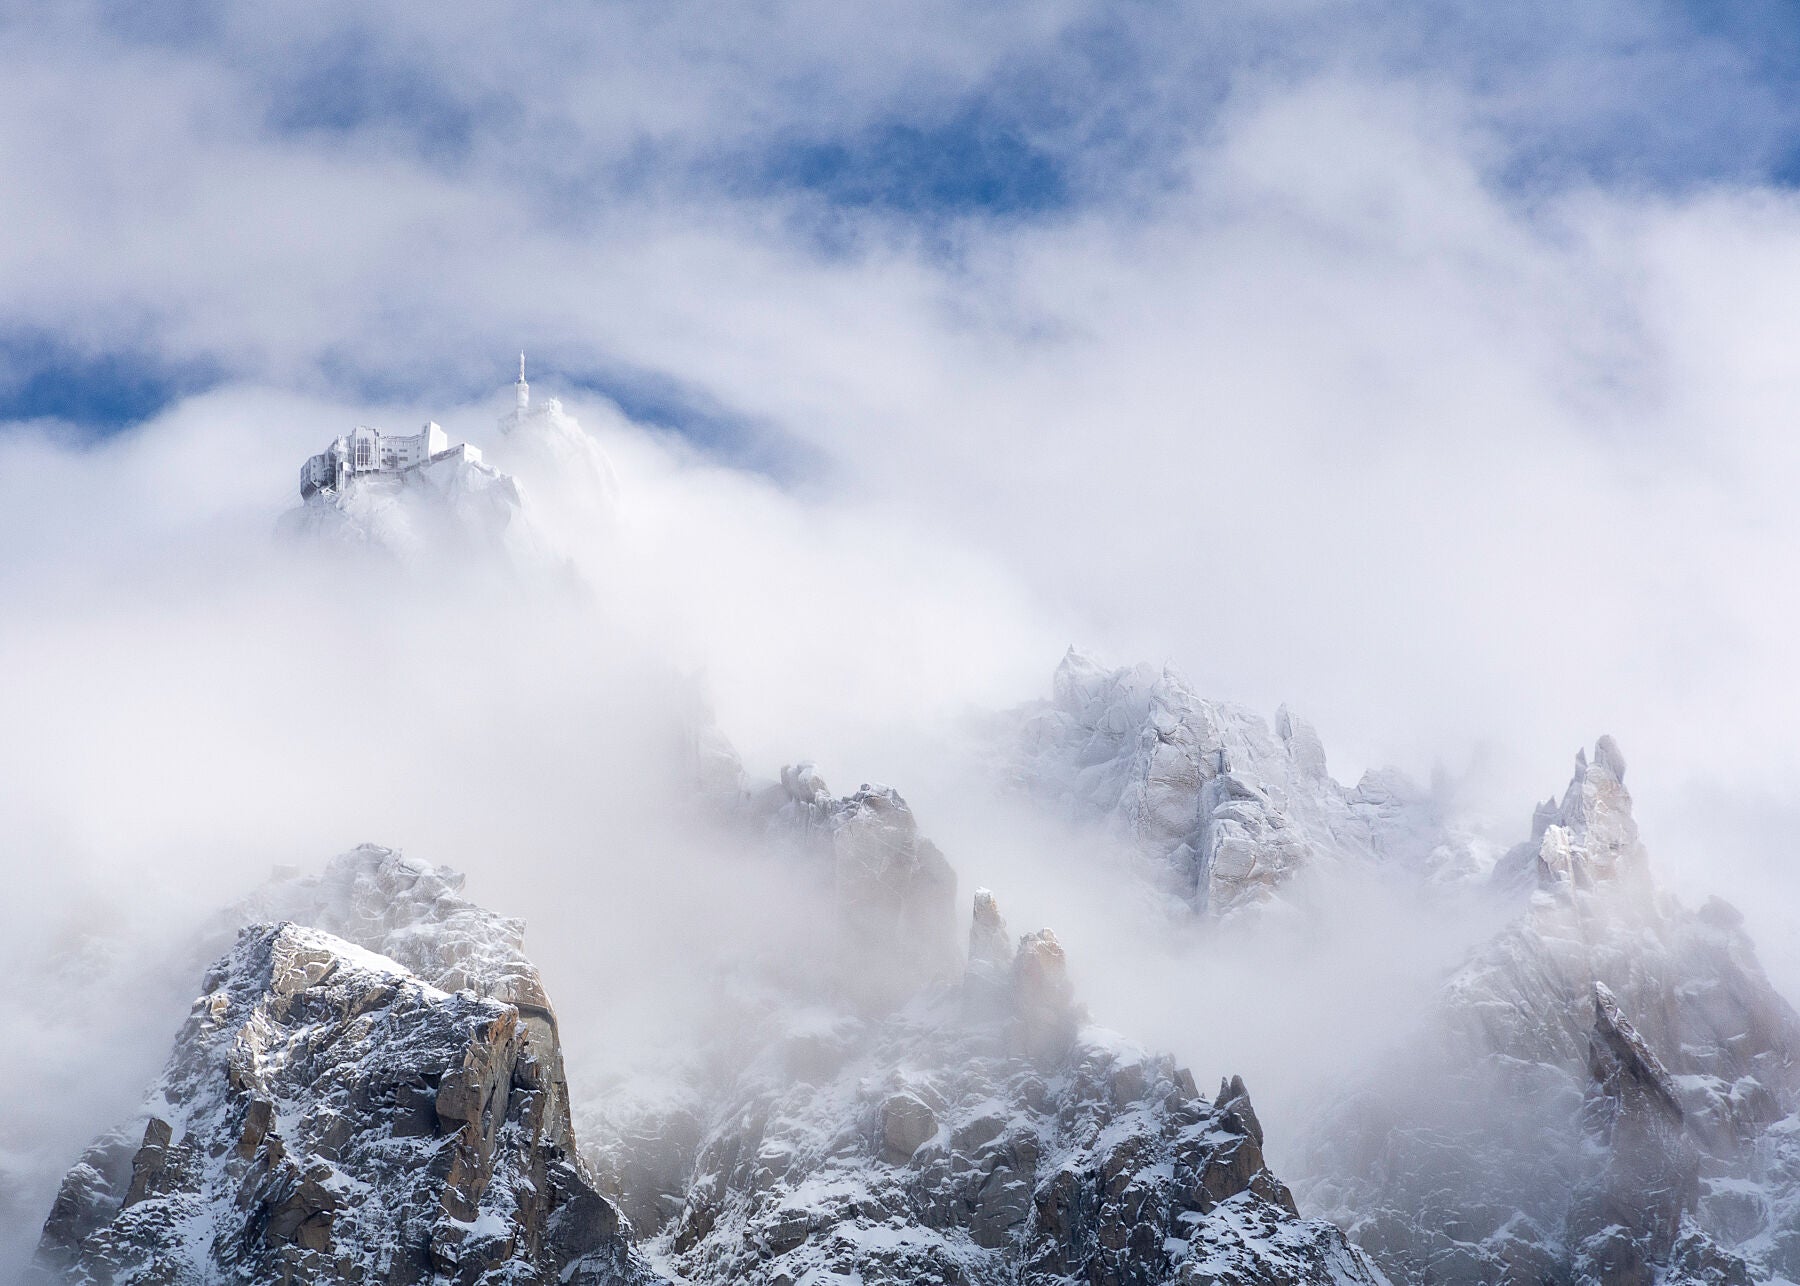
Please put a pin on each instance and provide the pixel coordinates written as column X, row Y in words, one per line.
column 328, row 1116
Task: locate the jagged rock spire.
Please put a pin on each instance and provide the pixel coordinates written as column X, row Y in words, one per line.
column 1587, row 837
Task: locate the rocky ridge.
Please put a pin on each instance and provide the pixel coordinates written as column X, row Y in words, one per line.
column 986, row 1135
column 954, row 1125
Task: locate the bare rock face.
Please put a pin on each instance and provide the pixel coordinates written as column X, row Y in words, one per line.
column 1625, row 1221
column 413, row 912
column 1608, row 1089
column 329, row 1116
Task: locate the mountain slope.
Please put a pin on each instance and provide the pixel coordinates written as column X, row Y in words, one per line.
column 1607, row 1046
column 375, row 1095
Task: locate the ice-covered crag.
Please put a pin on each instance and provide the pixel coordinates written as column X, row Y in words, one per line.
column 1224, row 810
column 1607, row 1090
column 565, row 471
column 378, row 1096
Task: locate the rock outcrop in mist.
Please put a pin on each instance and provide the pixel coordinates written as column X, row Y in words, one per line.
column 983, row 1135
column 1224, row 811
column 331, row 1114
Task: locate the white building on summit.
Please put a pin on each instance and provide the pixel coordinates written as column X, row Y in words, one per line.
column 368, row 450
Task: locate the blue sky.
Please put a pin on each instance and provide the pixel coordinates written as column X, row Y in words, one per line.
column 837, row 142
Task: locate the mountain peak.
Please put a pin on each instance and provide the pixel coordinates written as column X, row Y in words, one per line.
column 1589, row 836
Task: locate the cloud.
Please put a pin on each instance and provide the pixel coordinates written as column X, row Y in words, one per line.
column 207, row 700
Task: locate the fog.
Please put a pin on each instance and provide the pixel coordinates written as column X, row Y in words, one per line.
column 1320, row 402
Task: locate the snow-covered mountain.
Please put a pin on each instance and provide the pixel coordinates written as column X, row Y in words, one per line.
column 1606, row 1090
column 982, row 1134
column 370, row 1088
column 894, row 1087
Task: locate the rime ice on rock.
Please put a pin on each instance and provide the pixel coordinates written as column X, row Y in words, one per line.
column 568, row 473
column 1588, row 837
column 1224, row 810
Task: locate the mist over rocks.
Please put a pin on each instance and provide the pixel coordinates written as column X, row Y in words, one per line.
column 333, row 1114
column 960, row 1121
column 891, row 1084
column 1504, row 1140
column 1434, row 370
column 979, row 1134
column 892, row 892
